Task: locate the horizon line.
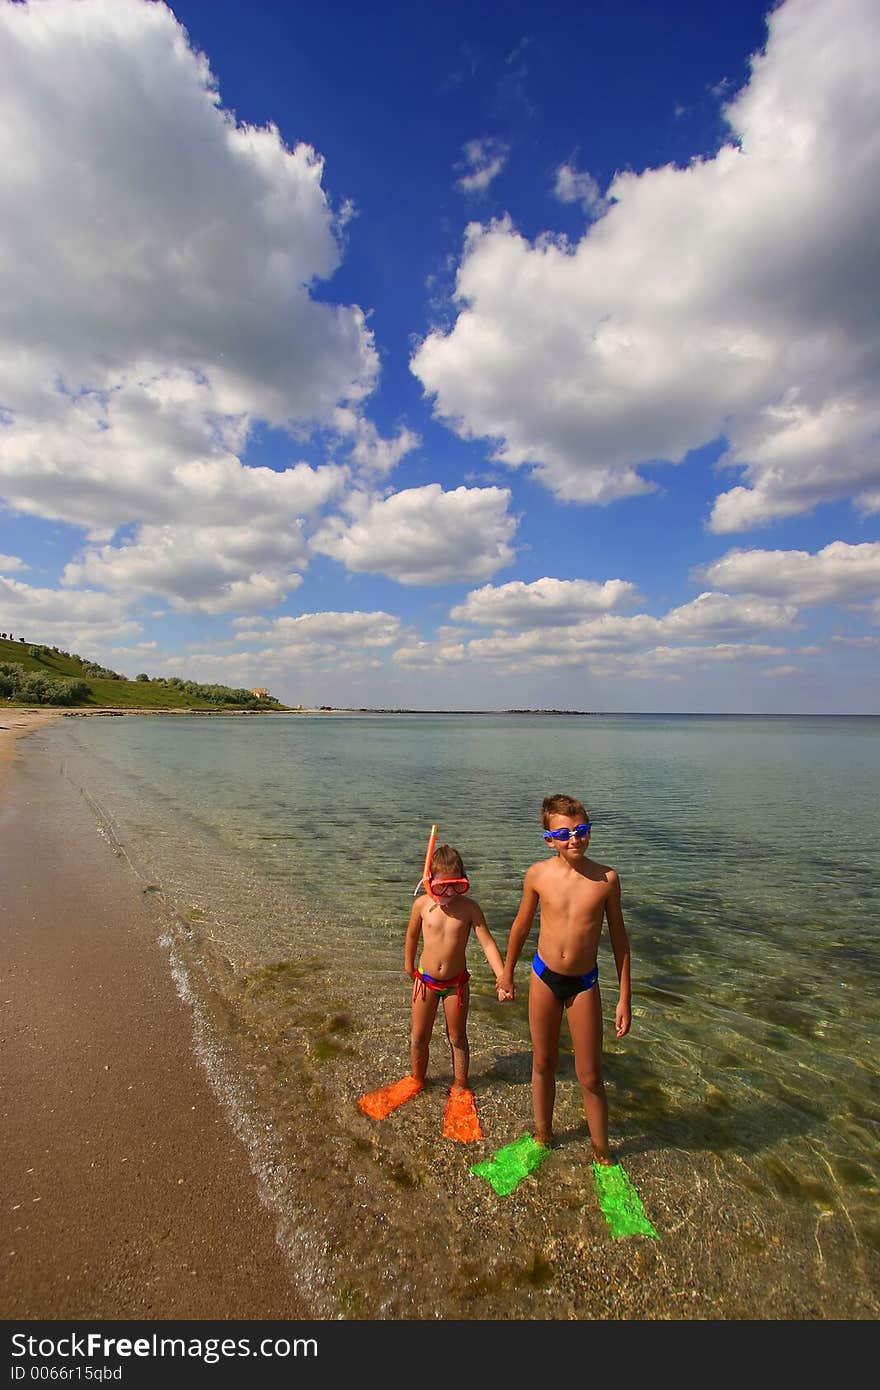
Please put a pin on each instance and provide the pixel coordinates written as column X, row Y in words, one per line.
column 617, row 714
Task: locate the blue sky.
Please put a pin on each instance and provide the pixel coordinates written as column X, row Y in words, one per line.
column 446, row 356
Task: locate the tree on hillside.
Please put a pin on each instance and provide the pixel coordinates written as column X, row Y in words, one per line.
column 32, row 688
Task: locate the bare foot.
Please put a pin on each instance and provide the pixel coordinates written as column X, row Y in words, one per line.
column 603, row 1156
column 543, row 1137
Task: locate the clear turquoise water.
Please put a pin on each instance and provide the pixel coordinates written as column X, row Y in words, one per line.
column 748, row 854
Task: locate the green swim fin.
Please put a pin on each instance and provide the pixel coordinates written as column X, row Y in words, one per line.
column 508, row 1166
column 620, row 1202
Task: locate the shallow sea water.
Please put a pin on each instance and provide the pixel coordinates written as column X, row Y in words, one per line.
column 745, row 1103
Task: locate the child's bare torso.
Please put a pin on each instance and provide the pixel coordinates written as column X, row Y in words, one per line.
column 572, row 901
column 445, row 932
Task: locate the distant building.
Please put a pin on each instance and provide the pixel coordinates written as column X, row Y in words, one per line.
column 260, row 693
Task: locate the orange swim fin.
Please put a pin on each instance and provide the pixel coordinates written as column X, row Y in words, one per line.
column 380, row 1103
column 461, row 1121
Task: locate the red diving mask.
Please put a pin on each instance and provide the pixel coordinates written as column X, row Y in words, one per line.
column 443, row 888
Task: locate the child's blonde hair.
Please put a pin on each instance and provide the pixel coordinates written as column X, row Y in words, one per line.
column 561, row 805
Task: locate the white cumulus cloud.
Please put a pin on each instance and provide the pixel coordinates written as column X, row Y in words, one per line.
column 211, row 569
column 424, row 535
column 717, row 614
column 573, row 185
column 736, row 297
column 427, row 656
column 183, row 239
column 839, row 573
column 554, row 602
column 375, row 629
column 290, row 648
column 62, row 617
column 370, row 452
column 157, row 267
column 712, row 627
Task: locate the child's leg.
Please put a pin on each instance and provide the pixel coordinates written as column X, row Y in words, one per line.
column 456, row 1011
column 545, row 1019
column 585, row 1024
column 424, row 1011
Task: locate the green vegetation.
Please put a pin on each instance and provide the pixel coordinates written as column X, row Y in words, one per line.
column 31, row 688
column 41, row 675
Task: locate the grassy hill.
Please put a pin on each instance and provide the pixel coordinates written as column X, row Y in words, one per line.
column 118, row 693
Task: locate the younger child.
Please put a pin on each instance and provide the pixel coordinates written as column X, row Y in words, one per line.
column 443, row 917
column 575, row 894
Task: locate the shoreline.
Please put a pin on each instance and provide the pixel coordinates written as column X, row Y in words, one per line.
column 18, row 723
column 48, row 712
column 25, row 717
column 130, row 1196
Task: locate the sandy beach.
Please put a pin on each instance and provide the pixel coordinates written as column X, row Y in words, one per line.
column 126, row 1193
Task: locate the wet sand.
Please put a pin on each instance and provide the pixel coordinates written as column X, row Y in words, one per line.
column 126, row 1194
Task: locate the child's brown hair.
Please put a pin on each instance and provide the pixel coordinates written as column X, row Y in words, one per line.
column 447, row 861
column 561, row 805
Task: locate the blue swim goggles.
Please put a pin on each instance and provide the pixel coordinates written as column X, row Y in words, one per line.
column 579, row 832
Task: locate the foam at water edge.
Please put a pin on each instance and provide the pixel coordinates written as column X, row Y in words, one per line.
column 302, row 1244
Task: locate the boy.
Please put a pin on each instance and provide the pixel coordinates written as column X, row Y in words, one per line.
column 444, row 917
column 575, row 894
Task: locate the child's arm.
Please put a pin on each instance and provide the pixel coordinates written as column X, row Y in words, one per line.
column 490, row 951
column 520, row 929
column 620, row 947
column 411, row 944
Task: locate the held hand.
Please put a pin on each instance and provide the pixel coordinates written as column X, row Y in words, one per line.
column 504, row 988
column 622, row 1018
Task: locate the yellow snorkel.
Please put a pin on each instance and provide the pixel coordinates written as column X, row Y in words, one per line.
column 429, row 855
